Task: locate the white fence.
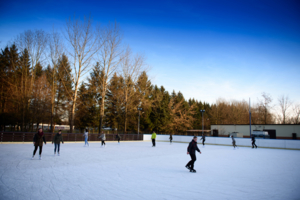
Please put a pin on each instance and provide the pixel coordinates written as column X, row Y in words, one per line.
column 269, row 143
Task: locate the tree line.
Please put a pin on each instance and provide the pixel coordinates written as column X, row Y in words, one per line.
column 86, row 77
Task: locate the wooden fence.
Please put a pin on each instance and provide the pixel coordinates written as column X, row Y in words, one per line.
column 72, row 137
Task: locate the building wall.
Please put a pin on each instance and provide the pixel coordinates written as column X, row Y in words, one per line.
column 246, row 142
column 283, row 131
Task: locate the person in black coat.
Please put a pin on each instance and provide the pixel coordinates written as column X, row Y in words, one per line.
column 118, row 138
column 203, row 139
column 38, row 140
column 171, row 138
column 253, row 141
column 192, row 148
column 56, row 140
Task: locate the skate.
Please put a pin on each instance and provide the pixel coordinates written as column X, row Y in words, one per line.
column 58, row 154
column 188, row 167
column 32, row 157
column 192, row 170
column 54, row 153
column 40, row 157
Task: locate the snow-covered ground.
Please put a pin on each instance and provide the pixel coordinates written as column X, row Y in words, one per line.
column 135, row 170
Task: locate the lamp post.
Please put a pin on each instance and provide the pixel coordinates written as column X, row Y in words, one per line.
column 202, row 111
column 139, row 109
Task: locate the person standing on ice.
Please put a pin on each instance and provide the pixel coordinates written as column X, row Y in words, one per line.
column 153, row 137
column 233, row 142
column 86, row 137
column 103, row 138
column 192, row 148
column 171, row 138
column 38, row 140
column 203, row 139
column 253, row 141
column 118, row 137
column 56, row 140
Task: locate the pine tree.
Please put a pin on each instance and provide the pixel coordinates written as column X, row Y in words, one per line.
column 63, row 89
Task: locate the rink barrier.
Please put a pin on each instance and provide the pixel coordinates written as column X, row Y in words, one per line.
column 67, row 137
column 266, row 143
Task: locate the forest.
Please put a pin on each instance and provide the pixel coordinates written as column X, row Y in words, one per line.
column 85, row 77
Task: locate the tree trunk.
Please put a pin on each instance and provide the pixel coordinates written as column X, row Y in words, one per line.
column 72, row 117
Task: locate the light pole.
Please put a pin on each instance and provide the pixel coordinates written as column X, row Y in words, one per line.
column 202, row 111
column 139, row 109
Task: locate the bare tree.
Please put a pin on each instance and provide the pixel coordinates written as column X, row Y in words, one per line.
column 36, row 43
column 265, row 107
column 181, row 119
column 109, row 59
column 284, row 104
column 132, row 67
column 55, row 52
column 85, row 42
column 296, row 111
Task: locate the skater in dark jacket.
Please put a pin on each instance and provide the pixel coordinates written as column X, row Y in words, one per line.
column 56, row 140
column 171, row 138
column 233, row 142
column 253, row 141
column 192, row 148
column 203, row 139
column 38, row 140
column 118, row 138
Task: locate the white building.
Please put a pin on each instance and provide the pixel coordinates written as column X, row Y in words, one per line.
column 278, row 131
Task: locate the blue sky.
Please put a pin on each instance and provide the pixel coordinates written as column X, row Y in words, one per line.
column 205, row 49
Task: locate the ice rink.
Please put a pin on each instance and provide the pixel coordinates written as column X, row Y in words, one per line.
column 136, row 170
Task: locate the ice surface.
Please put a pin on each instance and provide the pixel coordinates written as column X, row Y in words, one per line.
column 136, row 170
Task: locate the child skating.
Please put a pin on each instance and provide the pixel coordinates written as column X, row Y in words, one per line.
column 103, row 138
column 233, row 142
column 118, row 138
column 203, row 139
column 171, row 138
column 38, row 140
column 253, row 141
column 56, row 140
column 86, row 137
column 192, row 148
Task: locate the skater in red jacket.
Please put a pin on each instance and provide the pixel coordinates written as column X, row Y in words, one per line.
column 192, row 148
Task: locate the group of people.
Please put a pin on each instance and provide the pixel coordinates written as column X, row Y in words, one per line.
column 192, row 148
column 39, row 139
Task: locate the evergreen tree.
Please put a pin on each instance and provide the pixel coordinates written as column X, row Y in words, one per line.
column 63, row 89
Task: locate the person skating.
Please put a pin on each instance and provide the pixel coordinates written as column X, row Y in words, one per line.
column 153, row 137
column 56, row 140
column 171, row 138
column 38, row 140
column 103, row 138
column 86, row 137
column 118, row 137
column 192, row 148
column 233, row 142
column 253, row 141
column 203, row 139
